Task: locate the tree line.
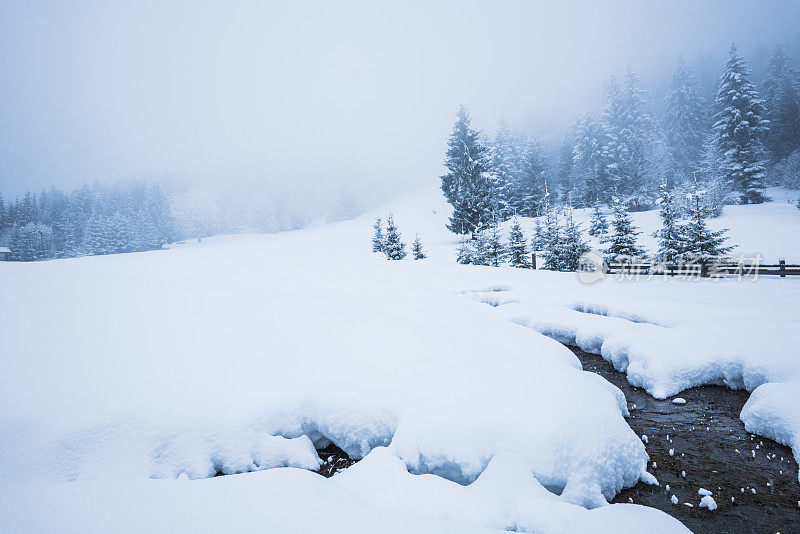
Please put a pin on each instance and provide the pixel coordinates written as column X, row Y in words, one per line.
column 726, row 146
column 94, row 220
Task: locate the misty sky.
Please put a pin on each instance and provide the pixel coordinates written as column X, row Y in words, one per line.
column 363, row 93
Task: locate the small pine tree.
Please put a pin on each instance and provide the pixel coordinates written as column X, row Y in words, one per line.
column 701, row 243
column 517, row 247
column 416, row 249
column 571, row 245
column 670, row 240
column 551, row 241
column 599, row 225
column 395, row 249
column 537, row 241
column 480, row 248
column 622, row 241
column 378, row 241
column 495, row 251
column 465, row 253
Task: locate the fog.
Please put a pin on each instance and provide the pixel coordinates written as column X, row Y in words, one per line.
column 359, row 94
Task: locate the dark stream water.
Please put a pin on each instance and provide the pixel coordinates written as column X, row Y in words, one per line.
column 714, row 450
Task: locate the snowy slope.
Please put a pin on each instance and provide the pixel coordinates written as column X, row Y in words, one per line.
column 241, row 353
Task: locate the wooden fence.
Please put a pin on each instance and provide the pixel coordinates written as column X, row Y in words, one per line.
column 710, row 269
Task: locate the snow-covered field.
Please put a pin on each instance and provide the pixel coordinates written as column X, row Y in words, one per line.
column 241, row 353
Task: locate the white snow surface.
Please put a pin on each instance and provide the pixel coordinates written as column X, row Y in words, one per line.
column 242, row 352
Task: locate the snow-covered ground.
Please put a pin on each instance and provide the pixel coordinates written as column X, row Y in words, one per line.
column 241, row 353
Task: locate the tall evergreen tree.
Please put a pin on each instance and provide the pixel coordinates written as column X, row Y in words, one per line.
column 468, row 184
column 630, row 137
column 670, row 239
column 590, row 160
column 622, row 241
column 570, row 188
column 531, row 181
column 417, row 250
column 395, row 249
column 684, row 124
column 517, row 247
column 740, row 127
column 782, row 101
column 504, row 160
column 378, row 241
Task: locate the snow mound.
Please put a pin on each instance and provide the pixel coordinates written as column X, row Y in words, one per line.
column 625, row 519
column 773, row 411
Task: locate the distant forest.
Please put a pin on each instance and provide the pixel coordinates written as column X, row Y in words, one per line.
column 729, row 145
column 134, row 215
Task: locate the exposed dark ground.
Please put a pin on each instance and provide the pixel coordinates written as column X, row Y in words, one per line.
column 706, row 434
column 335, row 459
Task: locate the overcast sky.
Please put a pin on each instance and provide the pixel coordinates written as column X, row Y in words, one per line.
column 357, row 92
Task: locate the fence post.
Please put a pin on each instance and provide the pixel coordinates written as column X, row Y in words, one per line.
column 533, row 260
column 782, row 268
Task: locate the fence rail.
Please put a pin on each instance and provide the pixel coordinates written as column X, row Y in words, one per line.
column 780, row 269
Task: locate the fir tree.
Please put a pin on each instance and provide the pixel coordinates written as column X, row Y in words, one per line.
column 378, row 241
column 598, row 226
column 538, row 240
column 630, row 136
column 700, row 243
column 468, row 184
column 590, row 160
column 494, row 249
column 395, row 249
column 570, row 246
column 465, row 253
column 517, row 247
column 531, row 185
column 504, row 164
column 416, row 249
column 670, row 240
column 684, row 124
column 740, row 127
column 480, row 248
column 622, row 241
column 782, row 101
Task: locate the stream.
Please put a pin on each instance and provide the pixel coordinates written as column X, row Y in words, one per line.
column 754, row 493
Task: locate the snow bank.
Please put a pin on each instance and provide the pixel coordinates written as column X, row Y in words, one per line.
column 773, row 411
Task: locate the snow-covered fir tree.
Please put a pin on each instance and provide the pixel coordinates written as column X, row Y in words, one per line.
column 538, row 239
column 598, row 226
column 468, row 183
column 684, row 124
column 630, row 137
column 531, row 183
column 417, row 250
column 740, row 128
column 394, row 249
column 622, row 239
column 504, row 164
column 590, row 160
column 479, row 246
column 568, row 246
column 465, row 252
column 378, row 240
column 670, row 238
column 782, row 102
column 517, row 247
column 700, row 242
column 494, row 249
